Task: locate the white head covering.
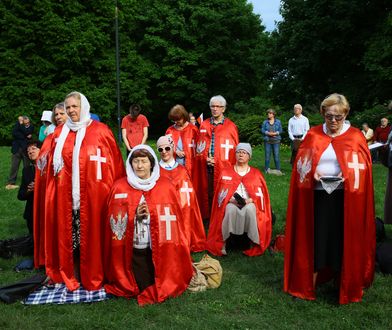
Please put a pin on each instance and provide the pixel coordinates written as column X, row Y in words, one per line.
column 134, row 180
column 46, row 116
column 79, row 127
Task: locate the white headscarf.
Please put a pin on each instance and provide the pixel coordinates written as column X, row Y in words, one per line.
column 134, row 180
column 79, row 127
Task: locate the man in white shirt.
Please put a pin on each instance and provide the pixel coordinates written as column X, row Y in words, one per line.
column 297, row 128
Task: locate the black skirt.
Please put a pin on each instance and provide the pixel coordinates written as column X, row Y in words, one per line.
column 143, row 268
column 328, row 229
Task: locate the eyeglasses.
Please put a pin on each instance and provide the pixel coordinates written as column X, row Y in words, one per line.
column 166, row 149
column 336, row 117
column 216, row 106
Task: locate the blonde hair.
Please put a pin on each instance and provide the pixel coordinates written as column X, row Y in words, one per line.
column 335, row 99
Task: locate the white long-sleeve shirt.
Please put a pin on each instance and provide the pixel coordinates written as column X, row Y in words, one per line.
column 298, row 126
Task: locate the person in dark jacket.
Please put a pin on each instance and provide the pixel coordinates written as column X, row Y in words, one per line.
column 21, row 133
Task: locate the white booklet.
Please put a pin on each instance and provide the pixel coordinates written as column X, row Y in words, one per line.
column 376, row 145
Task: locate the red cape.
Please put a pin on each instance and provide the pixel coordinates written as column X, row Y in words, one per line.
column 226, row 139
column 228, row 183
column 189, row 139
column 359, row 225
column 191, row 211
column 171, row 256
column 93, row 198
column 41, row 173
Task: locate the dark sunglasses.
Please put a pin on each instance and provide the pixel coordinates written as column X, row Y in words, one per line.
column 166, row 149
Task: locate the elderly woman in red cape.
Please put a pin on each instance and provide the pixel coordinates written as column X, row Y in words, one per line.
column 330, row 228
column 82, row 163
column 241, row 205
column 147, row 253
column 59, row 116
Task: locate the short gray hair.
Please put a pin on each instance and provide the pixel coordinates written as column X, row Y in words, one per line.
column 218, row 98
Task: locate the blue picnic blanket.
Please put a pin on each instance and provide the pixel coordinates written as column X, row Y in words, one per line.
column 59, row 294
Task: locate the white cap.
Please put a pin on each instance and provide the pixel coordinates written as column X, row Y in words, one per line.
column 47, row 116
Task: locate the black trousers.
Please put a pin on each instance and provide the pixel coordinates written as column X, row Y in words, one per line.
column 328, row 229
column 143, row 268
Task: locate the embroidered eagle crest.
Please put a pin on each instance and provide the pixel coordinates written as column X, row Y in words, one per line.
column 200, row 147
column 303, row 168
column 42, row 161
column 120, row 226
column 222, row 195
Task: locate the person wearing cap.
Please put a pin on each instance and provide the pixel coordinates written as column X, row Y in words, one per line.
column 297, row 129
column 184, row 135
column 46, row 119
column 178, row 175
column 147, row 254
column 22, row 134
column 272, row 130
column 81, row 166
column 218, row 137
column 241, row 205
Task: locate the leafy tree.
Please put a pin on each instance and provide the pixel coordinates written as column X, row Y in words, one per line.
column 320, row 48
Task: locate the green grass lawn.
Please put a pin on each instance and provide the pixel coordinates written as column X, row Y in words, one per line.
column 250, row 296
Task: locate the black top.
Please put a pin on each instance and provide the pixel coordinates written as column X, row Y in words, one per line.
column 28, row 176
column 20, row 133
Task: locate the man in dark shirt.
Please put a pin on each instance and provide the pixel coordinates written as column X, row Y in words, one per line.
column 21, row 133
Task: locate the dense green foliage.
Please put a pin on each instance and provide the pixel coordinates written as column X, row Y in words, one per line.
column 170, row 52
column 333, row 46
column 185, row 51
column 250, row 297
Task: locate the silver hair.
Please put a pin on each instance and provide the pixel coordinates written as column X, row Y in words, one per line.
column 218, row 98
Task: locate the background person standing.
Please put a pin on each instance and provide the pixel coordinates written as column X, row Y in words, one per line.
column 21, row 133
column 134, row 128
column 297, row 128
column 271, row 130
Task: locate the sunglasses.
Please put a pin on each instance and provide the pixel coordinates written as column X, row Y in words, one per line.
column 166, row 149
column 336, row 117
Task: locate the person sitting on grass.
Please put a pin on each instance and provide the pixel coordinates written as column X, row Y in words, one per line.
column 241, row 205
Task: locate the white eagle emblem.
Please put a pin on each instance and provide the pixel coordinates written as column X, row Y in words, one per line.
column 42, row 161
column 200, row 147
column 303, row 168
column 119, row 227
column 222, row 195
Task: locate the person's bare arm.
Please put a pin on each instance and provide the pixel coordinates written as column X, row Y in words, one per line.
column 145, row 134
column 124, row 136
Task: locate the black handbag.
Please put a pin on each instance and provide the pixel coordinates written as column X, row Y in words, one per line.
column 22, row 246
column 17, row 291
